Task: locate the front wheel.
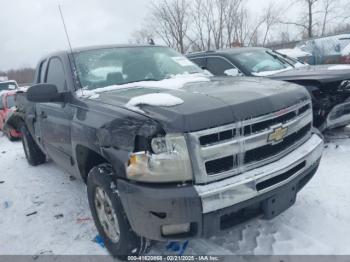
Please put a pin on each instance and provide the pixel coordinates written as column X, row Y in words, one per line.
column 109, row 215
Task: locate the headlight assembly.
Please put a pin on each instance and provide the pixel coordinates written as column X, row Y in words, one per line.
column 169, row 161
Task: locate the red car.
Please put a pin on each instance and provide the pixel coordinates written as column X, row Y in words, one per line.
column 7, row 106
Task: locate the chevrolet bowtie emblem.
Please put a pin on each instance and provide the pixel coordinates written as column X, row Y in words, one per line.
column 278, row 134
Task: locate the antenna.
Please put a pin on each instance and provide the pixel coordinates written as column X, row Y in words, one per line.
column 65, row 29
column 70, row 48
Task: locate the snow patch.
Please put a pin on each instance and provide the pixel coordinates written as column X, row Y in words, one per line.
column 158, row 99
column 176, row 82
column 339, row 67
column 268, row 73
column 294, row 53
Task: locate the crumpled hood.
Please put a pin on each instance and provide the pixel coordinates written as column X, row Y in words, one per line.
column 321, row 73
column 215, row 103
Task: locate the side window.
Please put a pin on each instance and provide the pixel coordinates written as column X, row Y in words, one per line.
column 217, row 66
column 42, row 71
column 200, row 62
column 55, row 74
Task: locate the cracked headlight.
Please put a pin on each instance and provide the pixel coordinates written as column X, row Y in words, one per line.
column 169, row 161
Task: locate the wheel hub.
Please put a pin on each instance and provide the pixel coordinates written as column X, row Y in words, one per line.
column 106, row 215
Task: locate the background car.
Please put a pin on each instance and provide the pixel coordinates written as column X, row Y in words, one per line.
column 8, row 85
column 296, row 53
column 328, row 85
column 326, row 50
column 7, row 106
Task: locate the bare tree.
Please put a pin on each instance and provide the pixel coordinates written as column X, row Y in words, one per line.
column 201, row 14
column 307, row 19
column 171, row 22
column 329, row 11
column 243, row 32
column 270, row 18
column 231, row 21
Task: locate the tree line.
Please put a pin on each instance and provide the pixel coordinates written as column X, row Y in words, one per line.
column 22, row 76
column 195, row 25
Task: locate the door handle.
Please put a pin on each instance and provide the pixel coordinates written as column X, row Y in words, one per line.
column 43, row 115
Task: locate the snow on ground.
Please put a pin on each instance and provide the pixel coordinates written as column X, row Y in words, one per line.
column 319, row 222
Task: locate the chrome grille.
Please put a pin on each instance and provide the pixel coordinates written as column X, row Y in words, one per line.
column 230, row 150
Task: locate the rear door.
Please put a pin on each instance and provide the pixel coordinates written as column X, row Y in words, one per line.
column 55, row 119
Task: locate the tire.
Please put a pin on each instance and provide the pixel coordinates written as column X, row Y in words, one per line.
column 128, row 243
column 32, row 151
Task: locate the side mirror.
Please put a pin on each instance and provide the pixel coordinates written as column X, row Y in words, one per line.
column 232, row 72
column 44, row 93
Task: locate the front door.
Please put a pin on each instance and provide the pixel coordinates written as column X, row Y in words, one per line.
column 55, row 119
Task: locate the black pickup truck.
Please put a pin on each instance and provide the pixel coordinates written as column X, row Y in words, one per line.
column 328, row 85
column 167, row 152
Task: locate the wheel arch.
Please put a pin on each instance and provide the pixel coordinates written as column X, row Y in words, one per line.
column 87, row 158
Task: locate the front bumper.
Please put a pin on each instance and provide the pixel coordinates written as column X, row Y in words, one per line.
column 210, row 208
column 339, row 116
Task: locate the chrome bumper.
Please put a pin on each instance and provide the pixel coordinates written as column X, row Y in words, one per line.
column 339, row 116
column 231, row 191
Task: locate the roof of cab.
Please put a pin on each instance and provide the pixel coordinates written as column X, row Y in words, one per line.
column 227, row 51
column 97, row 47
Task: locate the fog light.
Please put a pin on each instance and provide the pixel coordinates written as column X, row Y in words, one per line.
column 169, row 230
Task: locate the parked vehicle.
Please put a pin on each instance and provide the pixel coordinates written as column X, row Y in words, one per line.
column 345, row 55
column 167, row 152
column 325, row 50
column 8, row 85
column 7, row 107
column 296, row 53
column 328, row 85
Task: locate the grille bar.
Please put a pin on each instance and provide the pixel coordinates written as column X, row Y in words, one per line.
column 230, row 150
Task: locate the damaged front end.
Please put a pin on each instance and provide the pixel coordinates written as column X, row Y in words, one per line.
column 332, row 106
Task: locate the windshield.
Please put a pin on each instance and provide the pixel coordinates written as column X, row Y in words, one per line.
column 259, row 61
column 11, row 101
column 7, row 86
column 117, row 66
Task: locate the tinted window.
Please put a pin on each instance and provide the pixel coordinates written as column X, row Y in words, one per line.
column 217, row 66
column 55, row 74
column 199, row 61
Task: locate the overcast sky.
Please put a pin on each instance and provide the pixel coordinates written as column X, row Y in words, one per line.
column 29, row 29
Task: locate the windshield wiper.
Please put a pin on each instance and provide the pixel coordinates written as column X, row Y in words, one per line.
column 143, row 80
column 279, row 58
